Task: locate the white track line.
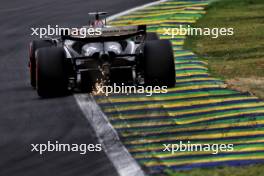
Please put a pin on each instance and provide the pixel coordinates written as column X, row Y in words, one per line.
column 117, row 153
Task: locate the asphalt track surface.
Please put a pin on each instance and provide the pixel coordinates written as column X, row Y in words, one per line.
column 26, row 119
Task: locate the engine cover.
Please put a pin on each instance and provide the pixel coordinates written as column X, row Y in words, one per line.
column 92, row 48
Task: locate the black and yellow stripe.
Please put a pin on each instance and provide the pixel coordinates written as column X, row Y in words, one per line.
column 199, row 109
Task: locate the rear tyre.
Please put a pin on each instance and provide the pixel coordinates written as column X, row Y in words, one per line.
column 152, row 36
column 33, row 46
column 159, row 66
column 51, row 72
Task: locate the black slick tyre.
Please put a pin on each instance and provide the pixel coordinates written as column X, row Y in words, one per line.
column 159, row 66
column 152, row 36
column 33, row 46
column 51, row 72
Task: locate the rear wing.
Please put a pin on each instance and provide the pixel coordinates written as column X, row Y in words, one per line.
column 97, row 13
column 122, row 30
column 110, row 34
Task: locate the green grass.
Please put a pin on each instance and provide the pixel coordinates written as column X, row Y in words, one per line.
column 239, row 59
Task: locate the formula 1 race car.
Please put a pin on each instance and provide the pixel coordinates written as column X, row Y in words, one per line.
column 126, row 54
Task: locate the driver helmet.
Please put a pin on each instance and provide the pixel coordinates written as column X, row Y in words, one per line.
column 97, row 22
